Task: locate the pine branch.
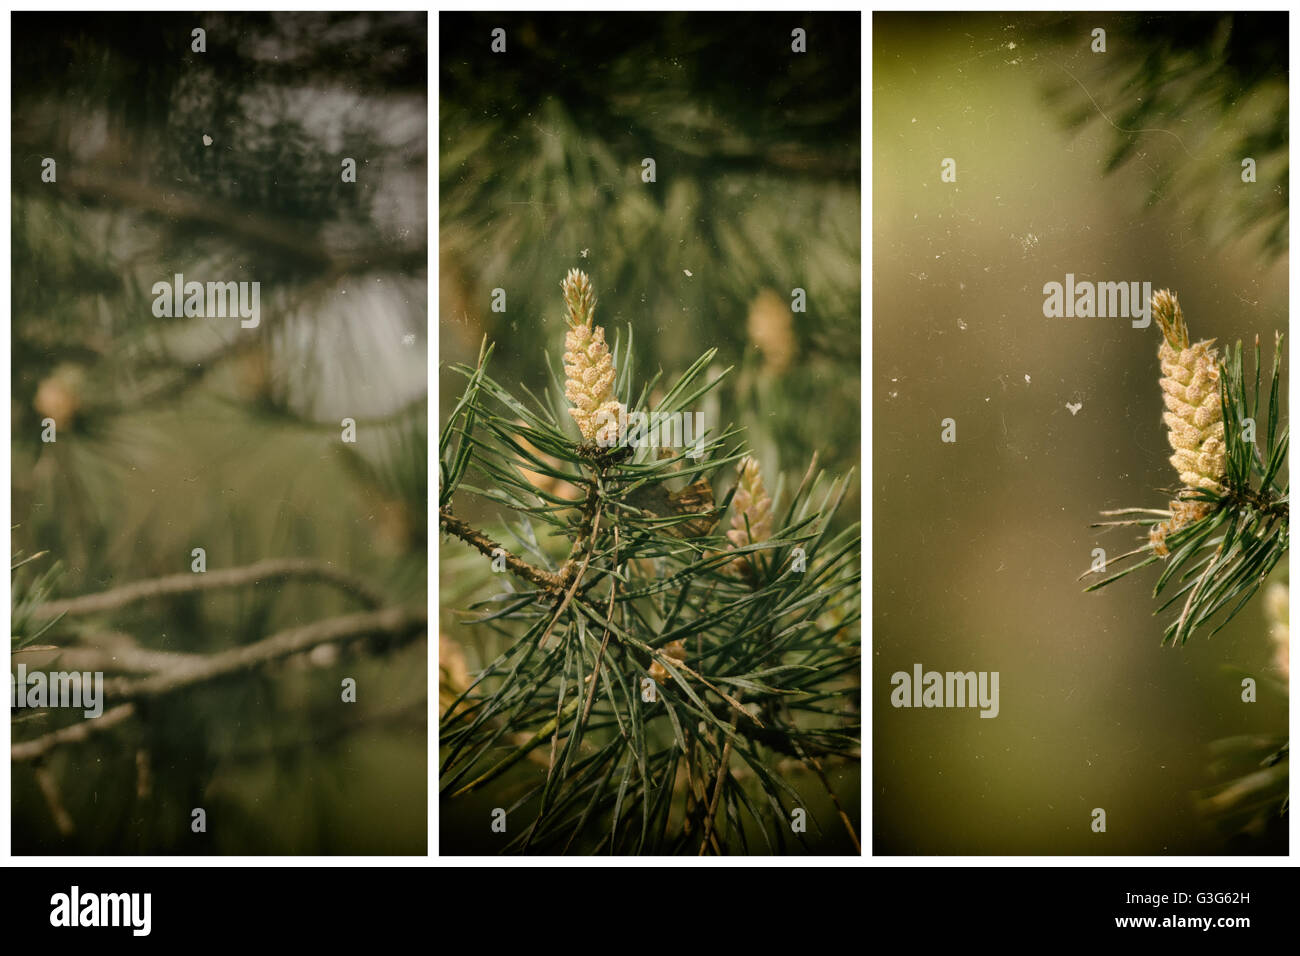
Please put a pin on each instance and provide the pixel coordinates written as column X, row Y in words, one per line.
column 275, row 569
column 651, row 595
column 257, row 231
column 394, row 621
column 477, row 539
column 117, row 652
column 1229, row 525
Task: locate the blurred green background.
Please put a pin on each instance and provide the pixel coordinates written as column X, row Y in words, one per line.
column 175, row 433
column 757, row 193
column 978, row 544
column 757, row 152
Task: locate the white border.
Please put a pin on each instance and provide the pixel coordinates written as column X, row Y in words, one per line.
column 6, row 453
column 1173, row 862
column 867, row 483
column 8, row 860
column 866, row 546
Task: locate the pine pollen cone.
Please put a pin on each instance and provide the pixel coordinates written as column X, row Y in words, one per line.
column 1193, row 414
column 751, row 516
column 588, row 366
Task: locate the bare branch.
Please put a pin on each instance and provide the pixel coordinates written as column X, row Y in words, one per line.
column 394, row 620
column 118, row 652
column 477, row 539
column 50, row 791
column 72, row 734
column 271, row 570
column 173, row 205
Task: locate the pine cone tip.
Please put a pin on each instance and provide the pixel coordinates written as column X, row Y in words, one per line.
column 579, row 297
column 1169, row 316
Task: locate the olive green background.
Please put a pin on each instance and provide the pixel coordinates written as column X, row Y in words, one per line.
column 977, row 544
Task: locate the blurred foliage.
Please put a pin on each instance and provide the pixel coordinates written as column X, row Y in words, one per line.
column 1249, row 799
column 757, row 153
column 1201, row 91
column 176, row 433
column 27, row 594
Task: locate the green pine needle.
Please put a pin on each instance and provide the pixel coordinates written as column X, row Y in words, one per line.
column 1218, row 562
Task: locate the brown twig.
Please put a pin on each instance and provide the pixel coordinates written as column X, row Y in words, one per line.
column 717, row 789
column 143, row 774
column 393, row 620
column 120, row 654
column 604, row 641
column 271, row 570
column 816, row 766
column 72, row 734
column 477, row 539
column 50, row 791
column 559, row 610
column 237, row 660
column 571, row 572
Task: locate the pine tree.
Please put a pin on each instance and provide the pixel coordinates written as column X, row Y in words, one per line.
column 1223, row 534
column 1228, row 526
column 643, row 694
